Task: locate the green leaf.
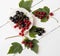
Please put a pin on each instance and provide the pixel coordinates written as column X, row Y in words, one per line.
column 26, row 4
column 35, row 41
column 44, row 20
column 32, row 33
column 40, row 10
column 46, row 9
column 35, row 48
column 15, row 48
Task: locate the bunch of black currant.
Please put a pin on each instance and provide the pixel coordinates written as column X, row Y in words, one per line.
column 19, row 16
column 39, row 31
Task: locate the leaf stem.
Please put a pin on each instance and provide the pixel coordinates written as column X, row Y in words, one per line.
column 50, row 32
column 37, row 3
column 4, row 24
column 56, row 10
column 12, row 37
column 55, row 19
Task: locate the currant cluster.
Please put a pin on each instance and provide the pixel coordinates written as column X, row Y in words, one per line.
column 28, row 43
column 21, row 21
column 40, row 14
column 39, row 31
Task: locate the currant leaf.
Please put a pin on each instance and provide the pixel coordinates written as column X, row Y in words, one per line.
column 35, row 48
column 44, row 20
column 46, row 9
column 35, row 41
column 26, row 4
column 32, row 33
column 15, row 48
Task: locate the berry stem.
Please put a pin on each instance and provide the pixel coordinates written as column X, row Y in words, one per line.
column 55, row 19
column 50, row 32
column 37, row 3
column 12, row 37
column 4, row 24
column 56, row 10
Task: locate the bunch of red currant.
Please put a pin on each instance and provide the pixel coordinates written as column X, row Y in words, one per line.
column 28, row 43
column 42, row 15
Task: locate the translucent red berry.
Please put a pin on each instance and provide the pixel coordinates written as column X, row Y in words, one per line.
column 51, row 14
column 21, row 34
column 15, row 26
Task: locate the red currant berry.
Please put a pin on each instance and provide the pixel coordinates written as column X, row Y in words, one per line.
column 36, row 15
column 29, row 23
column 40, row 17
column 19, row 27
column 21, row 34
column 15, row 26
column 23, row 42
column 30, row 44
column 51, row 14
column 37, row 12
column 43, row 13
column 27, row 27
column 47, row 17
column 23, row 30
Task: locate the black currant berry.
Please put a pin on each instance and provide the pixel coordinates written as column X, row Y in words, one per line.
column 11, row 18
column 21, row 13
column 27, row 18
column 43, row 31
column 17, row 12
column 40, row 34
column 24, row 16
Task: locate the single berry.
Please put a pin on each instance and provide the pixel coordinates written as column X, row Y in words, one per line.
column 40, row 17
column 11, row 18
column 39, row 34
column 23, row 42
column 43, row 13
column 51, row 14
column 23, row 30
column 17, row 12
column 15, row 26
column 21, row 34
column 31, row 44
column 43, row 31
column 21, row 13
column 37, row 12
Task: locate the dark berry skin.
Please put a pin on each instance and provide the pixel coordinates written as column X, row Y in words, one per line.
column 24, row 16
column 11, row 18
column 21, row 13
column 27, row 18
column 40, row 34
column 51, row 14
column 43, row 31
column 17, row 12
